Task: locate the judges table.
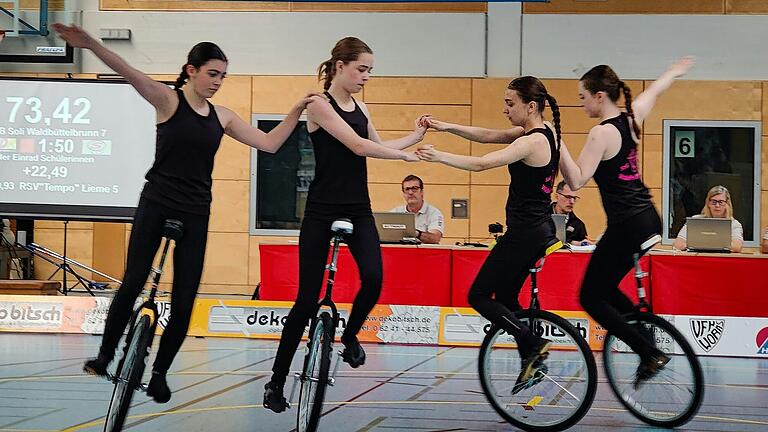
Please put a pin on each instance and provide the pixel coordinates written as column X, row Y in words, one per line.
column 413, row 275
column 679, row 283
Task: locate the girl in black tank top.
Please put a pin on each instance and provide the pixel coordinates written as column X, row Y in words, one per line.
column 532, row 160
column 342, row 138
column 178, row 186
column 611, row 154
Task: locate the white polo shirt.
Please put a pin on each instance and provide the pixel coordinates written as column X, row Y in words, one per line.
column 428, row 218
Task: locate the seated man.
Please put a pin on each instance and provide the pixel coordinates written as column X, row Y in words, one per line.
column 764, row 245
column 575, row 230
column 429, row 220
column 717, row 205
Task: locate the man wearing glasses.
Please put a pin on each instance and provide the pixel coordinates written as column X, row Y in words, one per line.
column 429, row 220
column 575, row 230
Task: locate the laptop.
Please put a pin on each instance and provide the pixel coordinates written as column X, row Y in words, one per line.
column 708, row 234
column 396, row 227
column 560, row 220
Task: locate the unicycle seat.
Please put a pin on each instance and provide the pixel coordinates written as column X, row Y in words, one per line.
column 549, row 247
column 173, row 229
column 650, row 243
column 342, row 226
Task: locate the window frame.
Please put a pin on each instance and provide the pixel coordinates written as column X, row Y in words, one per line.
column 756, row 125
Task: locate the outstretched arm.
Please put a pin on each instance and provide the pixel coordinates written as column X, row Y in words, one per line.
column 322, row 113
column 643, row 104
column 474, row 133
column 514, row 152
column 399, row 143
column 270, row 142
column 156, row 93
column 577, row 173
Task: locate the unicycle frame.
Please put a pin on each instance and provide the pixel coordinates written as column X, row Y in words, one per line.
column 533, row 314
column 643, row 314
column 305, row 375
column 119, row 406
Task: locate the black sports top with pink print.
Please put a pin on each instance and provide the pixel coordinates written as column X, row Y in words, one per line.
column 530, row 190
column 621, row 186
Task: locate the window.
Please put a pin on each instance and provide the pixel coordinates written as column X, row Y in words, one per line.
column 701, row 154
column 280, row 181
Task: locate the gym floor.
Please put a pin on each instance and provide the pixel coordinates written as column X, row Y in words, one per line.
column 218, row 386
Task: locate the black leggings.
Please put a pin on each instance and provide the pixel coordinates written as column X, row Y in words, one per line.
column 314, row 241
column 503, row 274
column 611, row 261
column 188, row 256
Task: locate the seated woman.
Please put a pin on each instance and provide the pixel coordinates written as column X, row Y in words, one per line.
column 718, row 205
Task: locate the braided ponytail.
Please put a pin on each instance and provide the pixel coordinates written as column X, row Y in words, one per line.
column 326, row 72
column 182, row 79
column 628, row 102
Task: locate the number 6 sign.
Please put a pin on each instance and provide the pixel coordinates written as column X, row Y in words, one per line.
column 684, row 144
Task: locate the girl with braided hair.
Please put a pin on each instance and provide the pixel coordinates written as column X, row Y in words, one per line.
column 610, row 156
column 532, row 160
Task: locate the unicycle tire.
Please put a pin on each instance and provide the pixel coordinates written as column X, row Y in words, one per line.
column 653, row 401
column 314, row 378
column 129, row 374
column 561, row 390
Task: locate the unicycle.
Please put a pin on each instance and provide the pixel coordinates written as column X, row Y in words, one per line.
column 563, row 385
column 673, row 396
column 314, row 378
column 130, row 369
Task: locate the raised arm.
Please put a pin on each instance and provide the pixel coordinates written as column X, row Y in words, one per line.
column 643, row 104
column 156, row 93
column 321, row 113
column 270, row 142
column 518, row 150
column 577, row 173
column 474, row 133
column 400, row 143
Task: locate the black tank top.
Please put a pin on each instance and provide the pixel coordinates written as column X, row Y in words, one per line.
column 621, row 187
column 530, row 190
column 340, row 185
column 180, row 177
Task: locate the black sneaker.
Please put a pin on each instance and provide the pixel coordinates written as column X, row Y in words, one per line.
column 532, row 361
column 650, row 367
column 353, row 354
column 158, row 389
column 273, row 397
column 97, row 366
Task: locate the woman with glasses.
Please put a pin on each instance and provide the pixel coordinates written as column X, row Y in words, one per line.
column 717, row 205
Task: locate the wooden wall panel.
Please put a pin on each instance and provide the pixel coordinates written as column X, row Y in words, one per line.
column 486, row 206
column 488, row 103
column 278, row 94
column 393, row 171
column 109, row 248
column 231, row 206
column 746, row 7
column 653, row 161
column 388, row 7
column 433, row 91
column 627, row 7
column 226, row 259
column 278, row 6
column 707, row 100
column 764, row 180
column 79, row 248
column 403, row 117
column 185, row 5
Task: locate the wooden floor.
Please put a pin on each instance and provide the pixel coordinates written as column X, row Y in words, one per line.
column 218, row 386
